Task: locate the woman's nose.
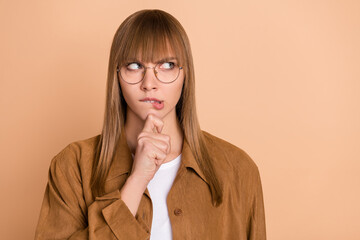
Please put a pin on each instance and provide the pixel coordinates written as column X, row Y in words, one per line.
column 149, row 81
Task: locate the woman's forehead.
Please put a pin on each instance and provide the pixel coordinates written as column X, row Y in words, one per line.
column 153, row 51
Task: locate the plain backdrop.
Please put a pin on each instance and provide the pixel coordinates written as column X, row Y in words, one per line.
column 279, row 79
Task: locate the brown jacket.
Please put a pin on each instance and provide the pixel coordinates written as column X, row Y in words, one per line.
column 69, row 210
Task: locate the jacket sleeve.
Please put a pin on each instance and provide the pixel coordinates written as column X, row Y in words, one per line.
column 257, row 216
column 64, row 214
column 63, row 210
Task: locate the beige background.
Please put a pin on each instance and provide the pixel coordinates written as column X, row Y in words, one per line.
column 279, row 79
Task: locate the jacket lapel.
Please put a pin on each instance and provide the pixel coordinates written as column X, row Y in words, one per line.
column 122, row 160
column 189, row 160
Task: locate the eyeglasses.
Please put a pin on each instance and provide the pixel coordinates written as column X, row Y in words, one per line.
column 134, row 72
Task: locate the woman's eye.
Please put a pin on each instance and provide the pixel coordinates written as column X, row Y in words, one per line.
column 134, row 66
column 167, row 65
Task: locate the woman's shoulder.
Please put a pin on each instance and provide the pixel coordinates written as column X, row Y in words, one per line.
column 228, row 156
column 84, row 147
column 76, row 156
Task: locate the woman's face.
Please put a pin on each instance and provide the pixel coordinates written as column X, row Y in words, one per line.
column 151, row 87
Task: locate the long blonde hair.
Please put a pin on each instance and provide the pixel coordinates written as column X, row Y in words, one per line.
column 146, row 32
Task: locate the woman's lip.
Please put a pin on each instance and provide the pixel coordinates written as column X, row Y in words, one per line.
column 151, row 99
column 156, row 103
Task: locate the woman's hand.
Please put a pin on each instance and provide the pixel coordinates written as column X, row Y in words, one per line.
column 151, row 151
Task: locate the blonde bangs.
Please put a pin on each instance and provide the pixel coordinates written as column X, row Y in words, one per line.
column 152, row 39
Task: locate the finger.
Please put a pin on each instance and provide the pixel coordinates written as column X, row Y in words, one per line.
column 155, row 136
column 160, row 142
column 158, row 162
column 153, row 124
column 157, row 156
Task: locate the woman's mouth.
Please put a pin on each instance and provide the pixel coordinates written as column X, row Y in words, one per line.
column 152, row 101
column 156, row 103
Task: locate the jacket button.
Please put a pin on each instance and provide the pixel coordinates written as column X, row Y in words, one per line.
column 177, row 211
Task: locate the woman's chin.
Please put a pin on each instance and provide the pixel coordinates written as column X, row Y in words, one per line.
column 154, row 112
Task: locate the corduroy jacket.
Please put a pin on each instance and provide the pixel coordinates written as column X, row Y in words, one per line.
column 70, row 211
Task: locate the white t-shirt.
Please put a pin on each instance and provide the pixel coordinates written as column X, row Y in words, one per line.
column 159, row 188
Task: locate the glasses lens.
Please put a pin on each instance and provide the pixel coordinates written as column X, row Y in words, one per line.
column 165, row 72
column 132, row 72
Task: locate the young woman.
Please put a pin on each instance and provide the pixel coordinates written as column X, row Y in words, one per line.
column 152, row 173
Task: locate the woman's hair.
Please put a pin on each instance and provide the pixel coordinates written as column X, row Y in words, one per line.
column 150, row 34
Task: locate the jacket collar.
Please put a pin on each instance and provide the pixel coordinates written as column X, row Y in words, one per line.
column 122, row 161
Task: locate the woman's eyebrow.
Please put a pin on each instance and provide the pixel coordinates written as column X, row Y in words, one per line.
column 166, row 59
column 131, row 60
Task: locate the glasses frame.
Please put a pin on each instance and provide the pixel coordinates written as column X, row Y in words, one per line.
column 155, row 73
